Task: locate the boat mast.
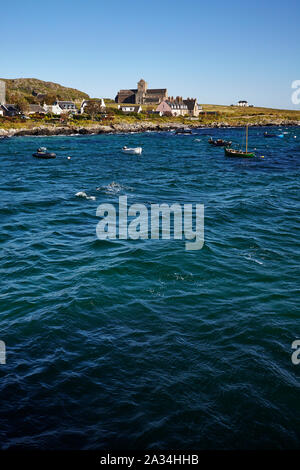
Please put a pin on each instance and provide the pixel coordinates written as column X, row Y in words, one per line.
column 246, row 138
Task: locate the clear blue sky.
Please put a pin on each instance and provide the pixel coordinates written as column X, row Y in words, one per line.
column 217, row 51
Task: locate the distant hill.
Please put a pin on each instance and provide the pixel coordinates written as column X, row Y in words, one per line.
column 33, row 90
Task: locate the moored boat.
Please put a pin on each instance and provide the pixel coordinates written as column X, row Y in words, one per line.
column 133, row 150
column 266, row 134
column 183, row 131
column 220, row 142
column 42, row 152
column 238, row 153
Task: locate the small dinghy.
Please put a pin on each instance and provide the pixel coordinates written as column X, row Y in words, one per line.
column 220, row 142
column 274, row 135
column 42, row 152
column 266, row 134
column 183, row 131
column 132, row 150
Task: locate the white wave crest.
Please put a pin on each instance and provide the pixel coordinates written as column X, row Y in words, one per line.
column 85, row 196
column 112, row 188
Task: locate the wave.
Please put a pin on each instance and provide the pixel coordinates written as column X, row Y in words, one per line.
column 112, row 188
column 85, row 196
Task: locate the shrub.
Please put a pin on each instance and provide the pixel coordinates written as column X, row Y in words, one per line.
column 81, row 117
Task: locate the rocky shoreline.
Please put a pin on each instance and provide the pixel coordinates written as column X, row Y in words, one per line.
column 125, row 127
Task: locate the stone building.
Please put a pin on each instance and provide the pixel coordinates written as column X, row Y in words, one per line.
column 173, row 107
column 193, row 107
column 180, row 107
column 142, row 95
column 36, row 109
column 2, row 92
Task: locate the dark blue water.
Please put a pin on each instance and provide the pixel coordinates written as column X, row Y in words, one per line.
column 140, row 343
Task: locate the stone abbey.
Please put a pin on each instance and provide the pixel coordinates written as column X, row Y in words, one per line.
column 142, row 95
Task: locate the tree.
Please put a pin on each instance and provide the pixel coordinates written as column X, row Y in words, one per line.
column 50, row 98
column 18, row 100
column 22, row 104
column 93, row 108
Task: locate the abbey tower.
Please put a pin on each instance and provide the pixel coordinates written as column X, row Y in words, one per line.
column 141, row 91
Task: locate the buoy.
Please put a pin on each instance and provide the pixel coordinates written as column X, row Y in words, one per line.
column 69, row 158
column 262, row 156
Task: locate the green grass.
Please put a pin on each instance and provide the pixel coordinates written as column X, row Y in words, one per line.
column 237, row 112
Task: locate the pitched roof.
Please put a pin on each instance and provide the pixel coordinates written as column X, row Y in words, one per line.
column 10, row 107
column 152, row 91
column 36, row 108
column 92, row 100
column 127, row 92
column 176, row 104
column 65, row 103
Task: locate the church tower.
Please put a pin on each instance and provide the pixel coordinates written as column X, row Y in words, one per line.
column 141, row 91
column 2, row 92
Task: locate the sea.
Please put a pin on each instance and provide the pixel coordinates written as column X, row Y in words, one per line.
column 142, row 344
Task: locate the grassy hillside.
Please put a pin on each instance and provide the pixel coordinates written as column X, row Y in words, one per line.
column 33, row 91
column 237, row 114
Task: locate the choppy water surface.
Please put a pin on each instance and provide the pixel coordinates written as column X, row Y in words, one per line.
column 142, row 344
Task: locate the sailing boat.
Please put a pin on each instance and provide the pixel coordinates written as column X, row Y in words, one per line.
column 240, row 153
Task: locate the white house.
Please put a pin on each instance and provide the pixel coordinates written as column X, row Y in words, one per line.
column 243, row 103
column 61, row 107
column 130, row 108
column 86, row 102
column 176, row 108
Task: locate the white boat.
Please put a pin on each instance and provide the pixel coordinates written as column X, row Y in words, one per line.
column 132, row 150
